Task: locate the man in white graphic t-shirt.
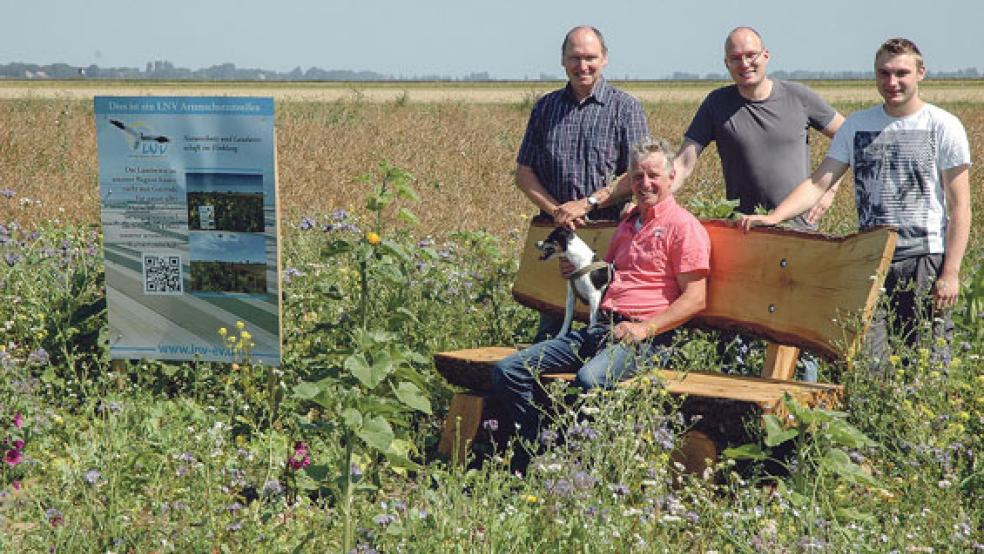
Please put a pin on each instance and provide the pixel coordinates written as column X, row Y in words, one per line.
column 911, row 165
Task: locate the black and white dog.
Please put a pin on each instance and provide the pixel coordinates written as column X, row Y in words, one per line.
column 590, row 278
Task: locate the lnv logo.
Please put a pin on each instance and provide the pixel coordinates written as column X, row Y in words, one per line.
column 141, row 138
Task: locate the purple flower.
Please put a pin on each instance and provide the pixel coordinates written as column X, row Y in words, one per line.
column 55, row 517
column 92, row 476
column 187, row 457
column 13, row 457
column 272, row 488
column 584, row 432
column 664, row 438
column 355, row 470
column 306, row 224
column 7, row 193
column 619, row 490
column 235, row 526
column 39, row 357
column 384, row 519
column 547, row 436
column 300, row 459
column 291, row 273
column 234, row 507
column 11, row 259
column 560, row 487
column 584, row 480
column 339, row 215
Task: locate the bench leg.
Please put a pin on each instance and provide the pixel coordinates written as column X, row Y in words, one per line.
column 460, row 426
column 697, row 452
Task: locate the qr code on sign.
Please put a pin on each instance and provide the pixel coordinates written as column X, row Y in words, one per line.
column 162, row 274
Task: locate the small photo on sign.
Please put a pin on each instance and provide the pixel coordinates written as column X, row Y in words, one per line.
column 228, row 262
column 162, row 274
column 225, row 202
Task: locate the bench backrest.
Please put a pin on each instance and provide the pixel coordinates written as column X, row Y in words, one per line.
column 793, row 288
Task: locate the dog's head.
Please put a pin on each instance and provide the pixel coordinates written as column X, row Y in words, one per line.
column 556, row 242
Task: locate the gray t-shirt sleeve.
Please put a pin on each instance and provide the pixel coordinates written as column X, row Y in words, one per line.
column 701, row 128
column 818, row 112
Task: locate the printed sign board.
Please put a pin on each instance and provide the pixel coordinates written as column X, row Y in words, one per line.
column 189, row 214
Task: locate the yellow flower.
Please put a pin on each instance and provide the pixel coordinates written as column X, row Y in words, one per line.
column 223, row 331
column 240, row 325
column 895, row 360
column 372, row 238
column 531, row 499
column 245, row 336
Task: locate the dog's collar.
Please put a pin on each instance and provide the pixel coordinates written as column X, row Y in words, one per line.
column 589, row 268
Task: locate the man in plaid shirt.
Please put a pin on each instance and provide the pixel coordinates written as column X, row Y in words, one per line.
column 577, row 140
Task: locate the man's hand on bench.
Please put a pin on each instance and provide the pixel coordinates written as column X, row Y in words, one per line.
column 746, row 222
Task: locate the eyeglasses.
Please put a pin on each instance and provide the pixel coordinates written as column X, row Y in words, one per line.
column 747, row 57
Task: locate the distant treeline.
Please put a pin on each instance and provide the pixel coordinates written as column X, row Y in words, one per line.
column 164, row 70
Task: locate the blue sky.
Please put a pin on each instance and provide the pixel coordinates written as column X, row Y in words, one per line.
column 507, row 38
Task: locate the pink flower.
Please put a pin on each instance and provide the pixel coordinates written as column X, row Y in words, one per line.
column 19, row 444
column 13, row 457
column 18, row 420
column 16, row 484
column 300, row 459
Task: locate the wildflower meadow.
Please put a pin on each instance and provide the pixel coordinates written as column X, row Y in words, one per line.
column 395, row 246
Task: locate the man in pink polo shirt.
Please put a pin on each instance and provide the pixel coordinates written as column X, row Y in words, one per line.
column 661, row 255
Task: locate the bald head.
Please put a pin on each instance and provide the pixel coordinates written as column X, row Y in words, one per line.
column 578, row 31
column 742, row 35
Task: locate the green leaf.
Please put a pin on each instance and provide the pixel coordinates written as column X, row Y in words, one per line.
column 409, row 394
column 370, row 375
column 843, row 433
column 750, row 451
column 389, row 247
column 407, row 216
column 775, row 433
column 398, row 456
column 839, row 462
column 306, row 390
column 352, row 418
column 377, row 433
column 337, row 246
column 852, row 514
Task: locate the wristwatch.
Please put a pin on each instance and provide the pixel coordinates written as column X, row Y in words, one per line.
column 592, row 203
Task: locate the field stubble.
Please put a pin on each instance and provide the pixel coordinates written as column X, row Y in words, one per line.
column 459, row 141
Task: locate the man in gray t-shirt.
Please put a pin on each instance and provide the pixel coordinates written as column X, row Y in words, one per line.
column 761, row 127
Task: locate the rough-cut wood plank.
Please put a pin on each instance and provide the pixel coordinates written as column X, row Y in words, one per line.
column 470, row 368
column 780, row 361
column 461, row 426
column 796, row 288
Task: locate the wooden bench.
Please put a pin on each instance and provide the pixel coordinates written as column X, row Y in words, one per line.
column 794, row 289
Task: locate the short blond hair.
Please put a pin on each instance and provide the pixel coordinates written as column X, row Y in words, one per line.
column 899, row 46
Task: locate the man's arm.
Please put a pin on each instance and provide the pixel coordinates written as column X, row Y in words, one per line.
column 802, row 198
column 685, row 161
column 530, row 184
column 822, row 205
column 956, row 187
column 692, row 300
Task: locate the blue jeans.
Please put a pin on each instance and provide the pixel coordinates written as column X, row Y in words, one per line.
column 603, row 363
